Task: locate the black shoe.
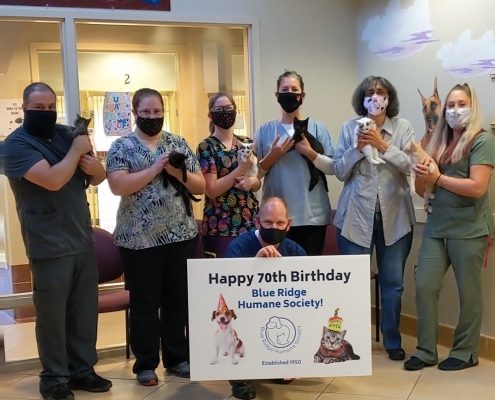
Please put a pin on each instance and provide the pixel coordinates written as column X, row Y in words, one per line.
column 396, row 354
column 58, row 392
column 91, row 383
column 415, row 364
column 454, row 364
column 182, row 370
column 243, row 390
column 282, row 381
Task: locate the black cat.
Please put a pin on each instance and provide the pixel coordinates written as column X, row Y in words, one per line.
column 178, row 160
column 81, row 128
column 300, row 129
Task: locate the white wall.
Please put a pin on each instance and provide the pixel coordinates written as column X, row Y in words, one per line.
column 448, row 20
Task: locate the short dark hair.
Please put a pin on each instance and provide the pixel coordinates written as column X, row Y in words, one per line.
column 293, row 74
column 360, row 93
column 35, row 87
column 140, row 94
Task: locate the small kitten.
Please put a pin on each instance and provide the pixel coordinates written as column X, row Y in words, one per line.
column 417, row 154
column 246, row 152
column 81, row 128
column 81, row 125
column 178, row 160
column 334, row 348
column 371, row 153
column 300, row 130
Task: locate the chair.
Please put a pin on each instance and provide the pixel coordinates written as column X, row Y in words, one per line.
column 330, row 248
column 110, row 268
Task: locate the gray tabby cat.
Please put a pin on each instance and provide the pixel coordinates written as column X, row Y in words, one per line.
column 334, row 348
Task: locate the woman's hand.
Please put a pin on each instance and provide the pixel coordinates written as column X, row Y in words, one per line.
column 429, row 173
column 373, row 138
column 246, row 182
column 159, row 164
column 244, row 166
column 280, row 148
column 171, row 170
column 304, row 148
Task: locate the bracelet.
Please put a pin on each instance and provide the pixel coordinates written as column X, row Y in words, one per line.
column 436, row 181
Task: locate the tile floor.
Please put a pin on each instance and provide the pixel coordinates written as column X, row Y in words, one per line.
column 388, row 382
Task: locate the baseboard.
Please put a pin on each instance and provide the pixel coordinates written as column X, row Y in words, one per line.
column 34, row 363
column 409, row 326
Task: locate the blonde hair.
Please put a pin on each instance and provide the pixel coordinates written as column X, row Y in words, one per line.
column 443, row 134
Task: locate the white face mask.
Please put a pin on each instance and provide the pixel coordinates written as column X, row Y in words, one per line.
column 457, row 118
column 376, row 104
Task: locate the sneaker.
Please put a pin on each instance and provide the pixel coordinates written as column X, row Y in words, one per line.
column 396, row 354
column 181, row 370
column 91, row 383
column 58, row 392
column 147, row 378
column 243, row 390
column 415, row 364
column 454, row 364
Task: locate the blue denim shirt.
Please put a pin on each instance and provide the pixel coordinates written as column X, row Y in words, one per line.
column 365, row 183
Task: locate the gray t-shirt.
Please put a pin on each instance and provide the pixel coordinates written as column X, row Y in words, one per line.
column 53, row 223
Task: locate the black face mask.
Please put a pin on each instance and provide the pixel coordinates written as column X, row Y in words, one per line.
column 149, row 126
column 224, row 119
column 289, row 101
column 40, row 123
column 272, row 235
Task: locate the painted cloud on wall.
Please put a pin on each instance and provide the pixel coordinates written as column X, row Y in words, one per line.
column 468, row 56
column 399, row 32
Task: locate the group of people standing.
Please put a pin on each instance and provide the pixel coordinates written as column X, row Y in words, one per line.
column 156, row 231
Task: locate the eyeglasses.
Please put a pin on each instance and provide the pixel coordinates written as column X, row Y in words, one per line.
column 230, row 107
column 150, row 113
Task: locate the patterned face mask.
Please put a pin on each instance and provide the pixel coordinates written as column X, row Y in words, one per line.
column 149, row 126
column 457, row 118
column 223, row 119
column 376, row 104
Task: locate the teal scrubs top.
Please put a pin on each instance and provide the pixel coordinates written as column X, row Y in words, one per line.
column 460, row 217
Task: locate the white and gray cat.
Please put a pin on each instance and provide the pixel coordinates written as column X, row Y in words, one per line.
column 245, row 153
column 333, row 348
column 371, row 153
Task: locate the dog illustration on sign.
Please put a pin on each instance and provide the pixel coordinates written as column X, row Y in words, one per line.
column 226, row 338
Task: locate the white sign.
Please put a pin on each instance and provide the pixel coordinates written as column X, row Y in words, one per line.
column 259, row 318
column 11, row 115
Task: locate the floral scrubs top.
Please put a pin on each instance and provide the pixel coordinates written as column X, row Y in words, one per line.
column 233, row 212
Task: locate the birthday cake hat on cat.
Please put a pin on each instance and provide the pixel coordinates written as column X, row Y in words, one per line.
column 222, row 305
column 335, row 322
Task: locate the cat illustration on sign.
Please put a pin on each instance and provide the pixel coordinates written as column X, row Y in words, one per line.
column 333, row 347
